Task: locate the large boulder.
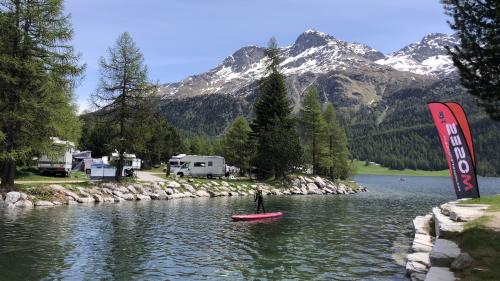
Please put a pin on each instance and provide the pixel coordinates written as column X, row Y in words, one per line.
column 463, row 261
column 189, row 188
column 444, row 253
column 142, row 197
column 173, row 184
column 12, row 197
column 42, row 203
column 319, row 182
column 422, row 224
column 122, row 189
column 422, row 243
column 202, row 193
column 169, row 191
column 85, row 200
column 132, row 189
column 420, row 257
column 440, row 274
column 412, row 267
column 71, row 194
column 24, row 204
column 140, row 189
column 466, row 212
column 444, row 226
column 162, row 195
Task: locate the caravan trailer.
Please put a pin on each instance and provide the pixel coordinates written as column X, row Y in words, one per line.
column 61, row 161
column 201, row 166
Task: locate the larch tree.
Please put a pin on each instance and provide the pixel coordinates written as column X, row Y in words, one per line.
column 337, row 153
column 313, row 128
column 278, row 147
column 237, row 145
column 38, row 72
column 123, row 97
column 477, row 56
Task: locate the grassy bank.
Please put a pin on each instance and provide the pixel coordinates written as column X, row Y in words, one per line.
column 481, row 240
column 29, row 174
column 360, row 168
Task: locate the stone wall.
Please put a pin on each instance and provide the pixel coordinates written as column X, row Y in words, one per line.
column 109, row 192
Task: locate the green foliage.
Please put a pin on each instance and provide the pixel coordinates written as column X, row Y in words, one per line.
column 277, row 142
column 125, row 98
column 477, row 57
column 237, row 145
column 38, row 69
column 407, row 136
column 337, row 157
column 314, row 129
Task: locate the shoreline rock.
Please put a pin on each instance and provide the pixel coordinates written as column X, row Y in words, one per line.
column 432, row 253
column 109, row 192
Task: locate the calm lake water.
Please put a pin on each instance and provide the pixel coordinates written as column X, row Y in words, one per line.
column 355, row 237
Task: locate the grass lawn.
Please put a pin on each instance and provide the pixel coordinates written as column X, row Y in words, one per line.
column 362, row 169
column 482, row 243
column 32, row 174
column 493, row 201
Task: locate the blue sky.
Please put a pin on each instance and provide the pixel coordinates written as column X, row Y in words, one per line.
column 183, row 37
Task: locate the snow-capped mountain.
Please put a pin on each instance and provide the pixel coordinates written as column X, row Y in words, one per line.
column 314, row 52
column 427, row 57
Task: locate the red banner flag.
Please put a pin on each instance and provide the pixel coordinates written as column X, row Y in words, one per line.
column 455, row 136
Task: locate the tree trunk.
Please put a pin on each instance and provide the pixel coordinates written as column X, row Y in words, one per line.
column 8, row 170
column 119, row 168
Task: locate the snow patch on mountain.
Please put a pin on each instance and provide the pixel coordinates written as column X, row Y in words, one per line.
column 318, row 53
column 427, row 57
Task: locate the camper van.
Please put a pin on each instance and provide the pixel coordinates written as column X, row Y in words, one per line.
column 104, row 167
column 60, row 159
column 201, row 166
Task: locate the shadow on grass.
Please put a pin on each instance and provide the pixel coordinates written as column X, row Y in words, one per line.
column 483, row 244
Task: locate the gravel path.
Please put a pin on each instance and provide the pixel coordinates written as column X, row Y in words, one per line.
column 145, row 176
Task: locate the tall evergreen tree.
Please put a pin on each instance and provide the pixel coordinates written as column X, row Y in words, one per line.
column 337, row 159
column 38, row 68
column 123, row 96
column 313, row 128
column 278, row 147
column 237, row 145
column 477, row 57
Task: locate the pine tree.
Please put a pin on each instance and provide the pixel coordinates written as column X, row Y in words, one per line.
column 123, row 96
column 278, row 147
column 337, row 160
column 38, row 68
column 313, row 128
column 477, row 57
column 237, row 145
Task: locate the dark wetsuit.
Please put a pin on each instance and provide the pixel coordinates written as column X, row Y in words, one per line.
column 260, row 201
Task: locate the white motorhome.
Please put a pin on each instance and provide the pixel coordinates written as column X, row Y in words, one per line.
column 201, row 166
column 175, row 162
column 60, row 160
column 104, row 168
column 131, row 161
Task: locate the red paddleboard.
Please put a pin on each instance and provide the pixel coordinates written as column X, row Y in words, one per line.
column 250, row 217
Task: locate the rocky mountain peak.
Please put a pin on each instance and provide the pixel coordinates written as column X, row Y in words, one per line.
column 309, row 39
column 431, row 45
column 244, row 58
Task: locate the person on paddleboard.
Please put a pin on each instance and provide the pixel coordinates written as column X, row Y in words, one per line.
column 259, row 199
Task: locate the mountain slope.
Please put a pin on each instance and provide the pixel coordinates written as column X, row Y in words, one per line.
column 381, row 99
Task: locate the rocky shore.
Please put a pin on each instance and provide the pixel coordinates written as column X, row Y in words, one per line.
column 434, row 255
column 109, row 192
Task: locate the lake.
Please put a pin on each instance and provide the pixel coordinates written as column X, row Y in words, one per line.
column 353, row 237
